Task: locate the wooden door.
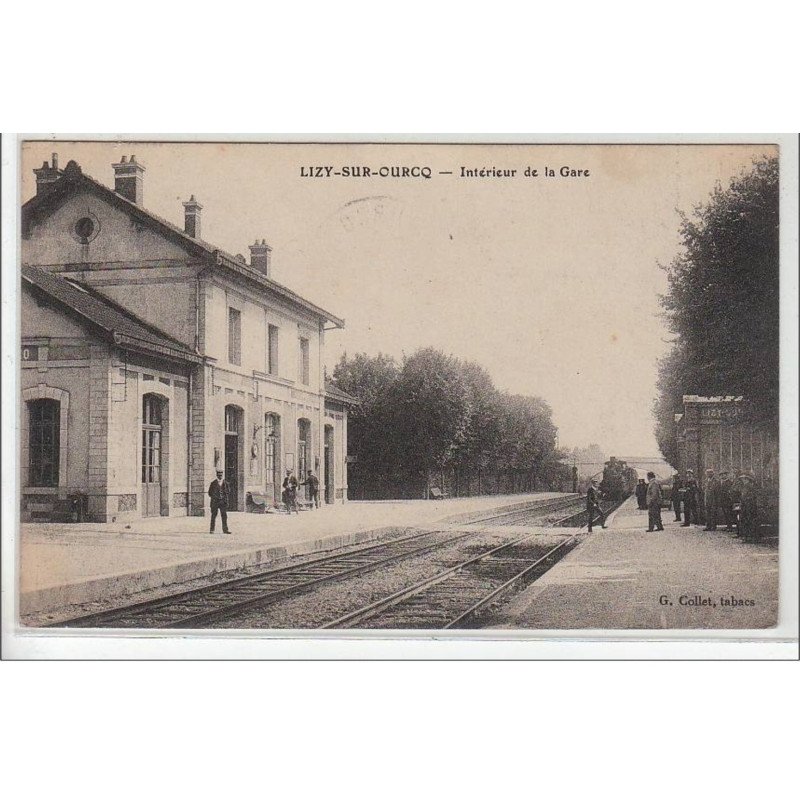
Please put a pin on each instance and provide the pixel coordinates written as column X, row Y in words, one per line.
column 232, row 470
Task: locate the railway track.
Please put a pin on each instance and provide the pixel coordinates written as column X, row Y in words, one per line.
column 455, row 597
column 581, row 517
column 523, row 516
column 204, row 606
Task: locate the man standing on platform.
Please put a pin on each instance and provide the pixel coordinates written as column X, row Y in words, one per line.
column 726, row 498
column 748, row 514
column 218, row 492
column 677, row 495
column 593, row 505
column 711, row 498
column 290, row 492
column 312, row 482
column 641, row 494
column 653, row 504
column 690, row 495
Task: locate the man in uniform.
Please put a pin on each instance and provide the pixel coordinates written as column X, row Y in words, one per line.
column 690, row 495
column 312, row 481
column 748, row 514
column 726, row 498
column 711, row 498
column 593, row 505
column 641, row 493
column 677, row 495
column 654, row 522
column 218, row 492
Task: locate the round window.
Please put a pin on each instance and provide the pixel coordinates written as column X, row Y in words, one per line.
column 86, row 229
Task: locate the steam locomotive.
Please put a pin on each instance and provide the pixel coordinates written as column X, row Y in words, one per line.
column 619, row 480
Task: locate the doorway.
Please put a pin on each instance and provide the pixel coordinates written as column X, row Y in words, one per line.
column 155, row 461
column 303, row 452
column 234, row 437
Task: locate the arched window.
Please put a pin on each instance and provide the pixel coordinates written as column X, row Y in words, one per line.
column 44, row 435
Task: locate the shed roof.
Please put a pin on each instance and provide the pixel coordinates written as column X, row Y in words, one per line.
column 113, row 322
column 335, row 393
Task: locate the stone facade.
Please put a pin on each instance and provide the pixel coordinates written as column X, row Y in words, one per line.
column 269, row 384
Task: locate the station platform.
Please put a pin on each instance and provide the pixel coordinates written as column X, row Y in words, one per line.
column 64, row 565
column 625, row 578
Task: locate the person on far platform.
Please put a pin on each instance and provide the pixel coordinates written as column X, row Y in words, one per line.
column 312, row 482
column 641, row 494
column 726, row 498
column 677, row 495
column 289, row 494
column 690, row 494
column 711, row 497
column 218, row 491
column 653, row 504
column 593, row 505
column 748, row 516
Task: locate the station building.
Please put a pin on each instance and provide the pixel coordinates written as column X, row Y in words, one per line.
column 151, row 358
column 717, row 433
column 723, row 433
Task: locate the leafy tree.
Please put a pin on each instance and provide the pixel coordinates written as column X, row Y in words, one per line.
column 370, row 379
column 528, row 434
column 482, row 434
column 367, row 378
column 673, row 377
column 431, row 405
column 722, row 302
column 435, row 413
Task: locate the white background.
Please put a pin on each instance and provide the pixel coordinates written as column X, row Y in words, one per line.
column 191, row 730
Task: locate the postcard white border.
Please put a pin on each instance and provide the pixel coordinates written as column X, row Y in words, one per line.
column 779, row 642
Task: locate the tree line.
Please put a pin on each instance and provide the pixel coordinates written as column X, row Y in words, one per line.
column 435, row 420
column 722, row 303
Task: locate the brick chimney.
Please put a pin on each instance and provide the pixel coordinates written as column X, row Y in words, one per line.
column 191, row 223
column 128, row 179
column 47, row 175
column 261, row 257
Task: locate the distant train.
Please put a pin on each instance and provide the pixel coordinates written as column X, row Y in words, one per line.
column 619, row 480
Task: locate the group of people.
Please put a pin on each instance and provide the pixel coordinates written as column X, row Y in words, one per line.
column 648, row 495
column 289, row 490
column 219, row 493
column 719, row 501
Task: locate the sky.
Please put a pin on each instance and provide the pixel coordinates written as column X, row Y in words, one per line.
column 551, row 283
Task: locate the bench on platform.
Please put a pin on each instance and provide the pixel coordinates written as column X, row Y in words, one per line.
column 257, row 502
column 437, row 494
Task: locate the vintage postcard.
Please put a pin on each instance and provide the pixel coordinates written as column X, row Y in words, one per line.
column 408, row 386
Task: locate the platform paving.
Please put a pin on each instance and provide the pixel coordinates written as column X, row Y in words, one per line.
column 62, row 565
column 626, row 578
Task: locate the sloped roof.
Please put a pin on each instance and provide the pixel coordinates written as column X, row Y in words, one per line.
column 74, row 178
column 113, row 322
column 335, row 393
